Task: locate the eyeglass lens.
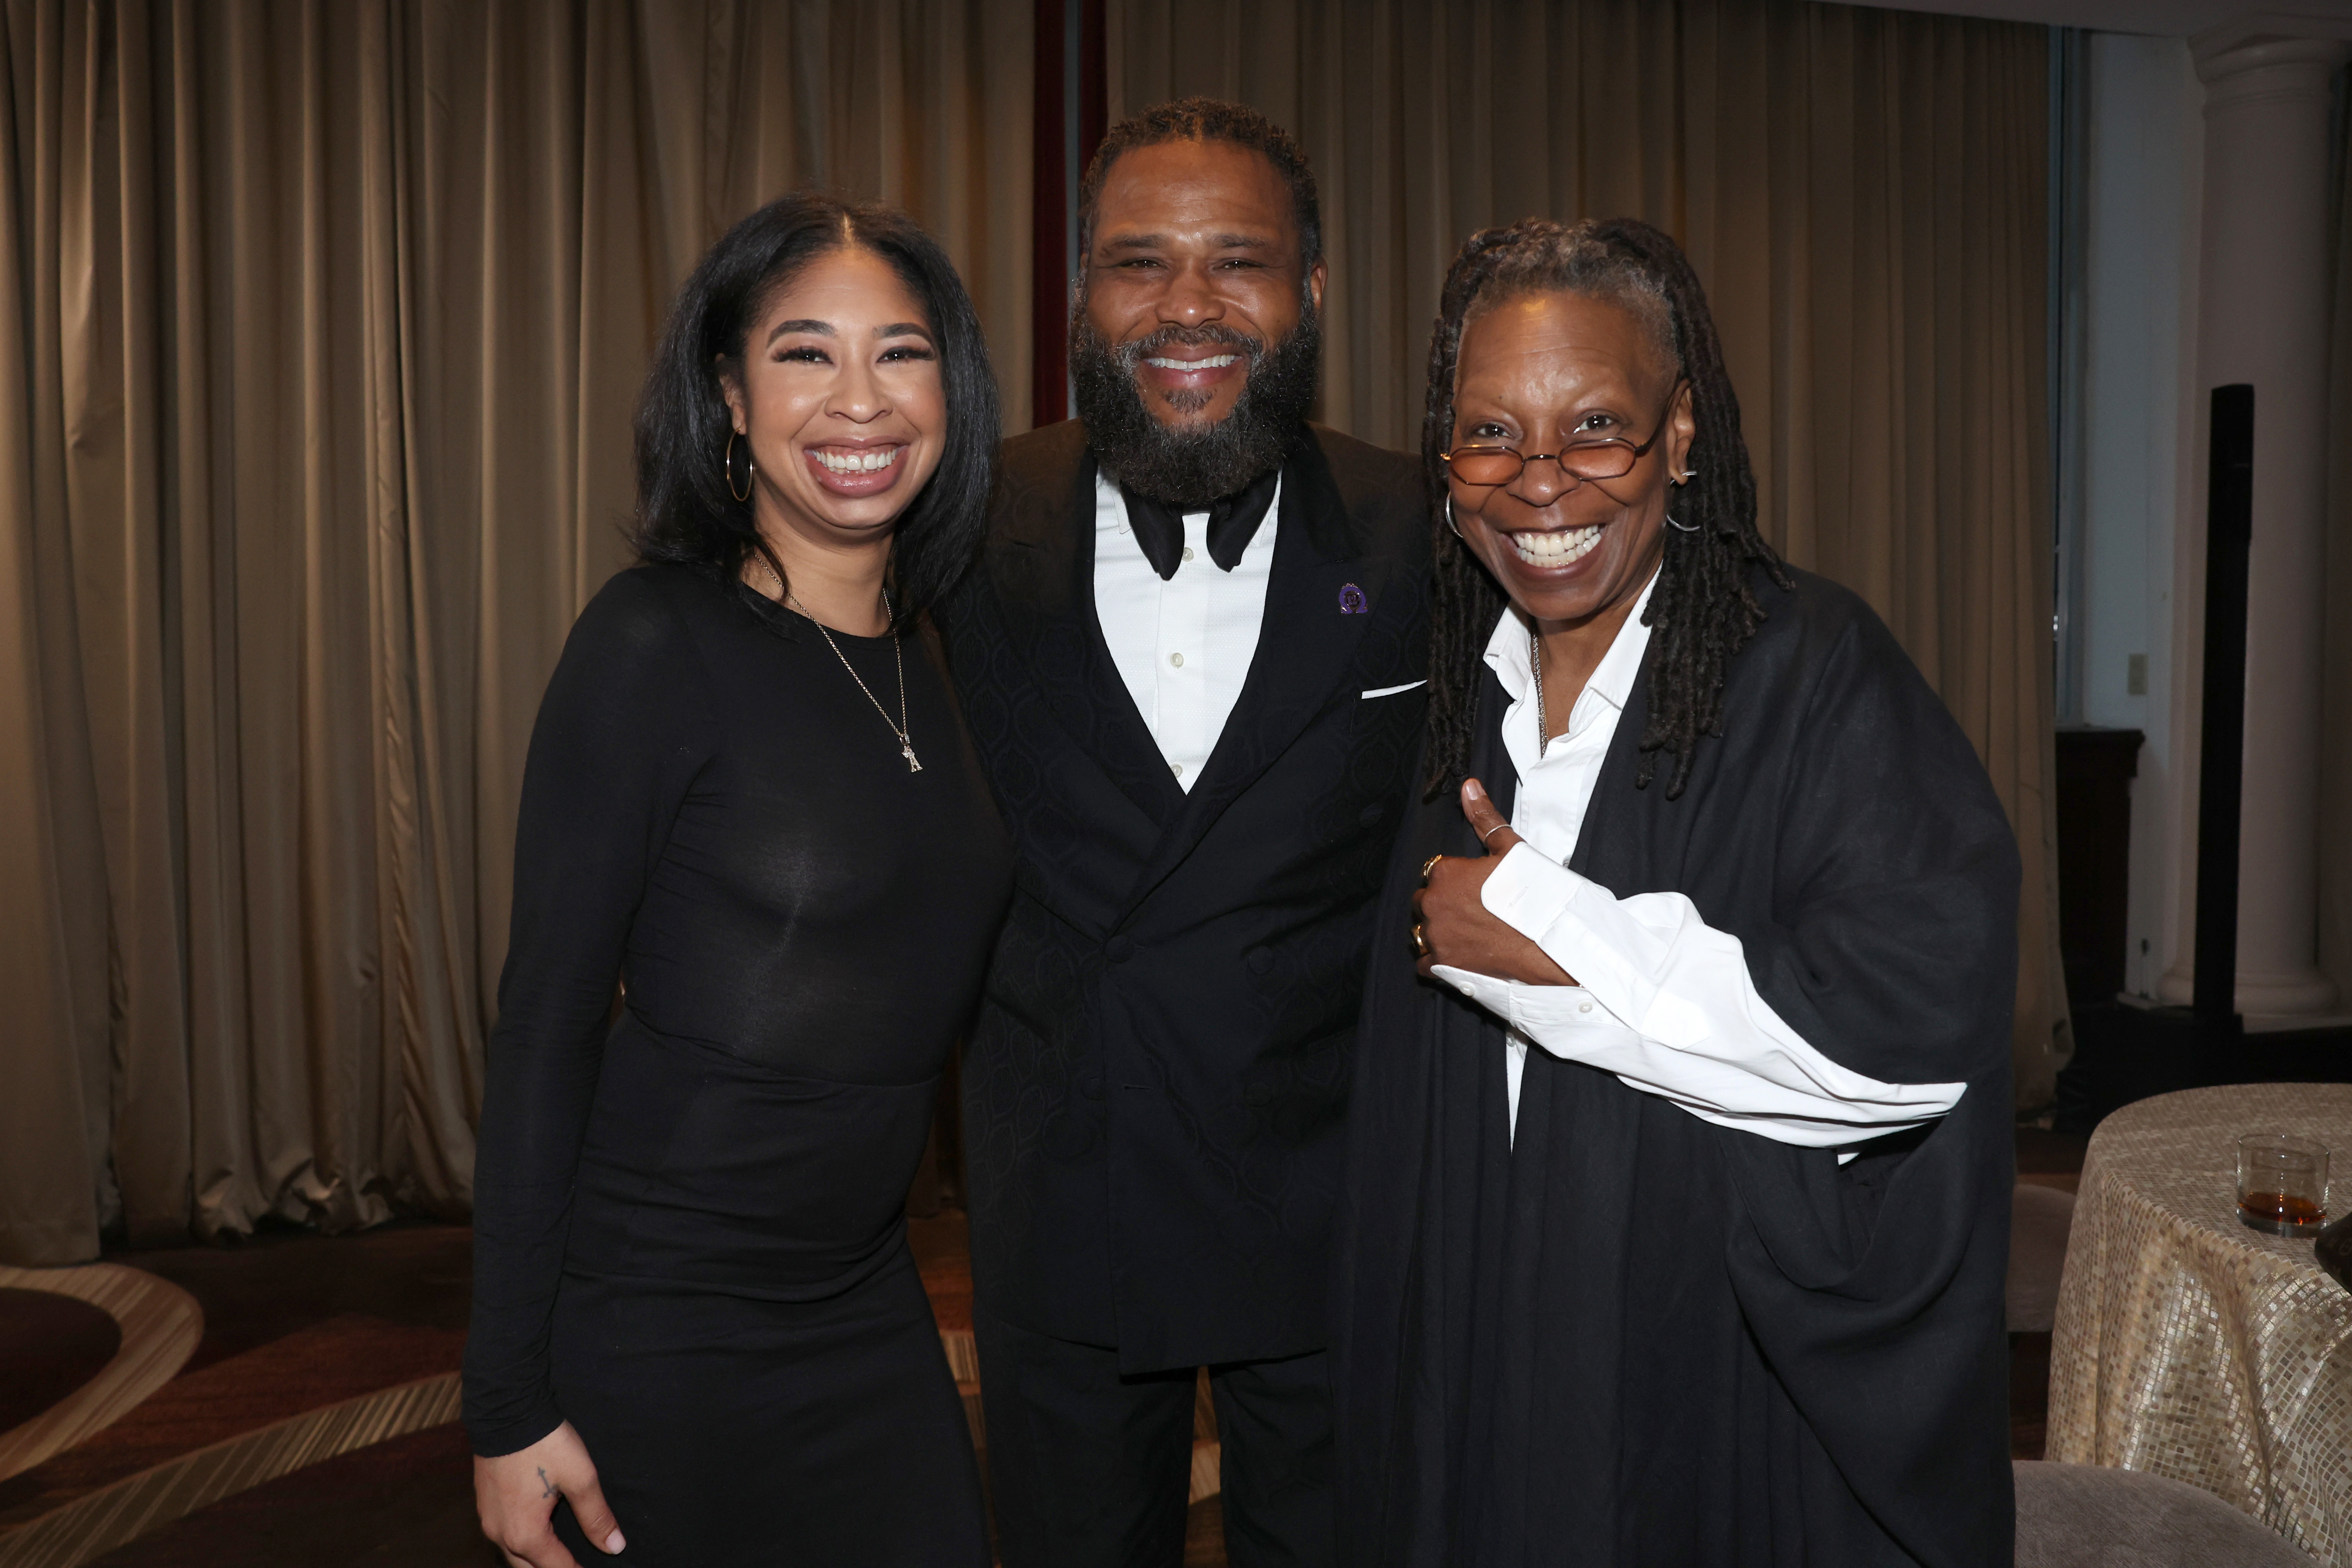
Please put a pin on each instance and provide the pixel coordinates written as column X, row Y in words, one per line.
column 1611, row 458
column 1500, row 465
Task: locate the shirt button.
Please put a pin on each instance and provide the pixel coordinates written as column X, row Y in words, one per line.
column 1176, row 768
column 1188, row 552
column 1177, row 659
column 1584, row 1006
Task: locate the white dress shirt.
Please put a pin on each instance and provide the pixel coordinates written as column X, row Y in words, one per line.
column 1664, row 1001
column 1183, row 646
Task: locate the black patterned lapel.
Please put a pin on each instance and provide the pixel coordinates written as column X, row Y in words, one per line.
column 1043, row 573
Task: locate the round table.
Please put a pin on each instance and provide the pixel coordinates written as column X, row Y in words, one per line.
column 2191, row 1346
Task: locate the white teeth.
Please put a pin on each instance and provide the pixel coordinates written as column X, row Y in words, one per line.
column 1555, row 549
column 1214, row 362
column 864, row 462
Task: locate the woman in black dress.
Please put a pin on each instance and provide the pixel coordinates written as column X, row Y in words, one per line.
column 757, row 873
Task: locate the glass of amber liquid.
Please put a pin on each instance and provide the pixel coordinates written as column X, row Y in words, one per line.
column 2282, row 1184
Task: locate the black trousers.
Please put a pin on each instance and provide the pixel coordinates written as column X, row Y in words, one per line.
column 1091, row 1469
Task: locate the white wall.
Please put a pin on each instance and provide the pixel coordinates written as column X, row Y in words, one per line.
column 2141, row 193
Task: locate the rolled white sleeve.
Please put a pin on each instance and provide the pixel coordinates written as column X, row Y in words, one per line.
column 1665, row 1002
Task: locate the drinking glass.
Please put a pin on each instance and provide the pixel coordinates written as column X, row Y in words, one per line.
column 2282, row 1184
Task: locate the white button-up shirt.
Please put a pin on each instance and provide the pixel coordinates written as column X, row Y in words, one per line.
column 1664, row 1001
column 1183, row 646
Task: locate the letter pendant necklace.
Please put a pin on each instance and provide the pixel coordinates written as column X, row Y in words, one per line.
column 898, row 646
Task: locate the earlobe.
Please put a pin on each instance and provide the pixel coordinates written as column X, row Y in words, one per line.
column 732, row 397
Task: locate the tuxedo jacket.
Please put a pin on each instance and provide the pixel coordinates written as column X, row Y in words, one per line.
column 1156, row 1083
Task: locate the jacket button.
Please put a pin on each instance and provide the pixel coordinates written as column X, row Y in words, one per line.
column 1119, row 948
column 1259, row 959
column 1370, row 814
column 1090, row 1085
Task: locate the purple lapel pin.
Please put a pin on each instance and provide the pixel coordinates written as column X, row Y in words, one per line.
column 1351, row 600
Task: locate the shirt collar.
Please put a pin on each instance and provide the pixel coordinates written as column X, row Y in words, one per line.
column 1612, row 681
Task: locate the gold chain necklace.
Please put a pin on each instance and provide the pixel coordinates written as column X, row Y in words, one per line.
column 906, row 746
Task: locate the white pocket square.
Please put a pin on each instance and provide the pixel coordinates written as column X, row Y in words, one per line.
column 1392, row 690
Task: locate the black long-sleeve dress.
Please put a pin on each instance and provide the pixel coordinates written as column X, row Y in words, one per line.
column 688, row 1231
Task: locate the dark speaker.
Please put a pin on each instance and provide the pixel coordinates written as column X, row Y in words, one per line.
column 2220, row 774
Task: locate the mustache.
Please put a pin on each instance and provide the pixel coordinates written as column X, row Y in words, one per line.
column 1130, row 356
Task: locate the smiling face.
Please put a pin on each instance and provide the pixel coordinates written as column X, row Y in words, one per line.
column 838, row 391
column 1195, row 255
column 1537, row 373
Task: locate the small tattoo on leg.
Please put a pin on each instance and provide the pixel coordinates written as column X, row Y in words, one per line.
column 547, row 1487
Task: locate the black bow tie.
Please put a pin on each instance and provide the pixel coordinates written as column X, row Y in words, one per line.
column 1232, row 522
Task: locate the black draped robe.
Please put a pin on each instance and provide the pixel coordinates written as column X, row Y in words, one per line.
column 1640, row 1338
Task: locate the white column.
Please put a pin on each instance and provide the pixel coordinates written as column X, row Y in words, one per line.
column 2262, row 314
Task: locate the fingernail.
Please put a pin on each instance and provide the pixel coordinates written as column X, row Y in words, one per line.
column 1471, row 791
column 615, row 1544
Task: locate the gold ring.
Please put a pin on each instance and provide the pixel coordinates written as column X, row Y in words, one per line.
column 1429, row 865
column 1419, row 940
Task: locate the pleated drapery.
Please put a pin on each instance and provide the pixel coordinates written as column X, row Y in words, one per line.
column 321, row 327
column 1862, row 194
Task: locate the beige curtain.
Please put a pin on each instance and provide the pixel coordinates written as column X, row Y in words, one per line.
column 1862, row 192
column 321, row 327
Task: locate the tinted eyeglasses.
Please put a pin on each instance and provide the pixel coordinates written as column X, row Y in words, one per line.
column 1609, row 457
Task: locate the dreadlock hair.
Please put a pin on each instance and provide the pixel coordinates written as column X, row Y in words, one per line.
column 1703, row 608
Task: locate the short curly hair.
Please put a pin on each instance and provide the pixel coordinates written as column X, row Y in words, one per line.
column 1209, row 120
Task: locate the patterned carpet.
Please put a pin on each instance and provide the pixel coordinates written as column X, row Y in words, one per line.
column 308, row 1348
column 406, row 1503
column 313, row 1418
column 49, row 1346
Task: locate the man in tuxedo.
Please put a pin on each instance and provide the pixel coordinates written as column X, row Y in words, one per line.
column 1192, row 657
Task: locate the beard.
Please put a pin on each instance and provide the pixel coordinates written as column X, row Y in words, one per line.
column 1193, row 467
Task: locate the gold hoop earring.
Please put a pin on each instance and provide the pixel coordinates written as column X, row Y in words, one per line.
column 728, row 462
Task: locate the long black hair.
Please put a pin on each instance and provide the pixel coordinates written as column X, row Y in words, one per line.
column 686, row 511
column 1705, row 604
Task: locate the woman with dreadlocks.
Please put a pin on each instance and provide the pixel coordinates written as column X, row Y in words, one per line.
column 1678, row 1198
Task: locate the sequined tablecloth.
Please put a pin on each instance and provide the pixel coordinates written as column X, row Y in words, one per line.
column 2191, row 1346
